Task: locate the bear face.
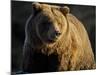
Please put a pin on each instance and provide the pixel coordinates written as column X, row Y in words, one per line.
column 50, row 23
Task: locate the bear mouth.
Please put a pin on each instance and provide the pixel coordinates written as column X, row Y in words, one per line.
column 52, row 40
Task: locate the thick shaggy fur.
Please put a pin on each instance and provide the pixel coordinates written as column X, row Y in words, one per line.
column 72, row 51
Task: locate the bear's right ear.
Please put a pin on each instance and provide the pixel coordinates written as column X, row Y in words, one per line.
column 36, row 8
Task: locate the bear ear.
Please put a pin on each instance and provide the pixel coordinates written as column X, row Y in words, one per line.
column 36, row 6
column 65, row 10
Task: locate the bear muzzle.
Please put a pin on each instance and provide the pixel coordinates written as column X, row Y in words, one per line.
column 54, row 36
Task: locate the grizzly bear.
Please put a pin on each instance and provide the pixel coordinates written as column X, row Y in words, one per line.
column 55, row 41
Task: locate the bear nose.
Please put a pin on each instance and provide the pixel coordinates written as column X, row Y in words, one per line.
column 57, row 33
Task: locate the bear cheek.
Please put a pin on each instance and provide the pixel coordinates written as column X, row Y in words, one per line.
column 50, row 33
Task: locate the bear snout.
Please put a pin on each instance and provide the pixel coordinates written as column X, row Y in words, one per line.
column 54, row 35
column 57, row 33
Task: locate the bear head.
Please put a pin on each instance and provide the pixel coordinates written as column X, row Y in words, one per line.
column 50, row 21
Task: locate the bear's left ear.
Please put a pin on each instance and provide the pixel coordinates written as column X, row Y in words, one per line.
column 65, row 10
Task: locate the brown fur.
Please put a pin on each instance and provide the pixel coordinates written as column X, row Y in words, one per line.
column 73, row 48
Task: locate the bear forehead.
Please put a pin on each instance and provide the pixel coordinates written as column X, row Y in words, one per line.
column 48, row 7
column 52, row 12
column 54, row 17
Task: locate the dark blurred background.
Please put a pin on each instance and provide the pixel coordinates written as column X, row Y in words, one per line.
column 20, row 11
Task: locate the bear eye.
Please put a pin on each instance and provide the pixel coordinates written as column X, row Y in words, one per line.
column 46, row 25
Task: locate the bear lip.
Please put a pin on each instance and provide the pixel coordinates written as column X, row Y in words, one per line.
column 52, row 40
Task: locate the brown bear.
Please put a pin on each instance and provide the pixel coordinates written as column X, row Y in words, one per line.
column 55, row 41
